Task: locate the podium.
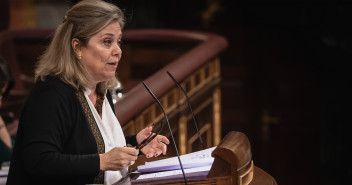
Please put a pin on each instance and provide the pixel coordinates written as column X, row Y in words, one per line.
column 233, row 165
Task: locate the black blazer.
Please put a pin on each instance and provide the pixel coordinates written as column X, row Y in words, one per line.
column 54, row 142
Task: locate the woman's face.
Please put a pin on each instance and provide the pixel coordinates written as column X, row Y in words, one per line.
column 102, row 54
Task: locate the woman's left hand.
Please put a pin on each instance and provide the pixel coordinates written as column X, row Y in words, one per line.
column 155, row 147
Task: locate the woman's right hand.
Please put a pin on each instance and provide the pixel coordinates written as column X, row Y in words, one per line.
column 118, row 158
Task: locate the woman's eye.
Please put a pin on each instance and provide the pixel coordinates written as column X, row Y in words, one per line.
column 107, row 42
column 119, row 42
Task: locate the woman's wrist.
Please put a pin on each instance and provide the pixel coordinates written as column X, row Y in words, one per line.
column 102, row 163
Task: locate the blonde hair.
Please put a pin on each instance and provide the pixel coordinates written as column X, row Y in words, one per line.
column 82, row 21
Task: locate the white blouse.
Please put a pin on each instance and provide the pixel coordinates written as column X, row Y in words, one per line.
column 112, row 134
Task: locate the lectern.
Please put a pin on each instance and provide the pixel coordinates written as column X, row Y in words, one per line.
column 233, row 165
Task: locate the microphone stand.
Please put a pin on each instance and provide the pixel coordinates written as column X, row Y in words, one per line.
column 172, row 136
column 190, row 107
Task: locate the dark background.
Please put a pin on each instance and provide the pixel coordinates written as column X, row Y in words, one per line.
column 286, row 78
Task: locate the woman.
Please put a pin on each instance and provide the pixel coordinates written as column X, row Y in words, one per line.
column 68, row 133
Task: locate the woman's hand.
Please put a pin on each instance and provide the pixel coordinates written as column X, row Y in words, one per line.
column 156, row 146
column 118, row 158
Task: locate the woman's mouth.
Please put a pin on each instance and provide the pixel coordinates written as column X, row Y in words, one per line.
column 113, row 64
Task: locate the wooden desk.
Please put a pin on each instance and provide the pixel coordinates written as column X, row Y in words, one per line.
column 232, row 165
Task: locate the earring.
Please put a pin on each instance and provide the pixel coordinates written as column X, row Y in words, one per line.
column 80, row 56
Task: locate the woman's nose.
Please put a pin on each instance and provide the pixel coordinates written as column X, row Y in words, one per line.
column 117, row 50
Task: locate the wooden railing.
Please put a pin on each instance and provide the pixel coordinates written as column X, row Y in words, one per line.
column 191, row 57
column 198, row 70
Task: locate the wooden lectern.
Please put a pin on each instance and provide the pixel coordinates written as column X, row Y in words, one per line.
column 233, row 165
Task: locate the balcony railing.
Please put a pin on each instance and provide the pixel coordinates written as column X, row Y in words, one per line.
column 191, row 57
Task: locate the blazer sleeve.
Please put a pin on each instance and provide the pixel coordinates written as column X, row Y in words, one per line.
column 47, row 121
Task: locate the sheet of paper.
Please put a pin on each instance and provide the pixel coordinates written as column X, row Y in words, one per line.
column 191, row 160
column 3, row 173
column 173, row 174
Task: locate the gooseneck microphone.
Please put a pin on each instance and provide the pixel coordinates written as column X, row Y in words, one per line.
column 172, row 136
column 190, row 107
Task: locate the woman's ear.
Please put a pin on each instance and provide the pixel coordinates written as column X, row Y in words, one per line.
column 76, row 46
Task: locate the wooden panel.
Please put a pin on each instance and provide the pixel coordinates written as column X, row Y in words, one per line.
column 202, row 87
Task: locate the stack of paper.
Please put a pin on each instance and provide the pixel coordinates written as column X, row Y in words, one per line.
column 196, row 164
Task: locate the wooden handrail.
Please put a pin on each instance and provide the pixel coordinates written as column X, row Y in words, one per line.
column 33, row 34
column 137, row 99
column 209, row 46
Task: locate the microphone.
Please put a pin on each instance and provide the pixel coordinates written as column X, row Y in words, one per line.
column 172, row 136
column 190, row 107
